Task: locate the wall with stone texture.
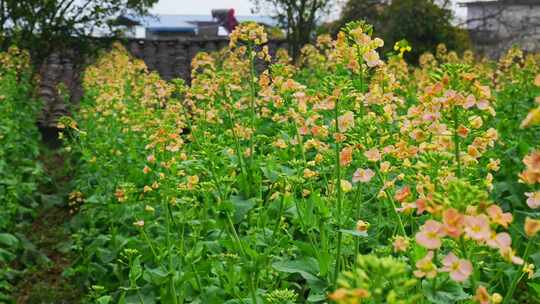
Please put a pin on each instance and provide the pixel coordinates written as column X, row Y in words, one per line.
column 58, row 70
column 517, row 24
column 171, row 59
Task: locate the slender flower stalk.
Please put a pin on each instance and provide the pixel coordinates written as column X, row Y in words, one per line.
column 455, row 117
column 394, row 209
column 252, row 93
column 339, row 193
column 171, row 266
column 149, row 242
column 520, row 274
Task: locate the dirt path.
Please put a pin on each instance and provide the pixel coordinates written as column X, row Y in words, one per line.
column 47, row 252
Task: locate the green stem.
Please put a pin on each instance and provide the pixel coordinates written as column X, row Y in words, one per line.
column 357, row 216
column 239, row 155
column 400, row 221
column 140, row 297
column 360, row 60
column 143, row 232
column 237, row 240
column 197, row 277
column 455, row 115
column 469, row 255
column 396, row 214
column 518, row 276
column 339, row 194
column 215, row 179
column 435, row 258
column 169, row 251
column 234, row 235
column 280, row 214
column 253, row 292
column 252, row 109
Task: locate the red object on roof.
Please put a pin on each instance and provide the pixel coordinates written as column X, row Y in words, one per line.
column 231, row 23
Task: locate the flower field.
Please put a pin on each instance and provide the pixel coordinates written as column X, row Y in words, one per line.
column 346, row 178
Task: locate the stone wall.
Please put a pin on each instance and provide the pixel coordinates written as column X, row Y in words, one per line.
column 58, row 70
column 495, row 28
column 171, row 59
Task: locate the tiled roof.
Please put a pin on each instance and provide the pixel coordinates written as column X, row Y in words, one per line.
column 187, row 23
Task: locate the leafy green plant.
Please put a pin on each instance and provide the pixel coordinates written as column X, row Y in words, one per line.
column 377, row 280
column 20, row 171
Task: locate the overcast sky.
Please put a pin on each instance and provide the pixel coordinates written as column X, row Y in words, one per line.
column 201, row 7
column 242, row 7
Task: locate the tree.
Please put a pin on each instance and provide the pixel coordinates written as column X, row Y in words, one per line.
column 298, row 17
column 43, row 26
column 353, row 10
column 423, row 23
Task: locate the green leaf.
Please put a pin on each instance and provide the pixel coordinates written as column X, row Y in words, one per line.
column 6, row 256
column 155, row 276
column 105, row 255
column 355, row 232
column 142, row 296
column 94, row 199
column 104, row 300
column 135, row 272
column 241, row 207
column 306, row 267
column 315, row 298
column 270, row 174
column 8, row 240
column 536, row 259
column 212, row 294
column 447, row 293
column 535, row 287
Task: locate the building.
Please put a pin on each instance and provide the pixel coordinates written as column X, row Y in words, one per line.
column 173, row 27
column 495, row 26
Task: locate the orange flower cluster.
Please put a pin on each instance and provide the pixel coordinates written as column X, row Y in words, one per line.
column 320, row 155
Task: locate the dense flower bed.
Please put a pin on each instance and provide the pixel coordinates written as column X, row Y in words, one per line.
column 344, row 179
